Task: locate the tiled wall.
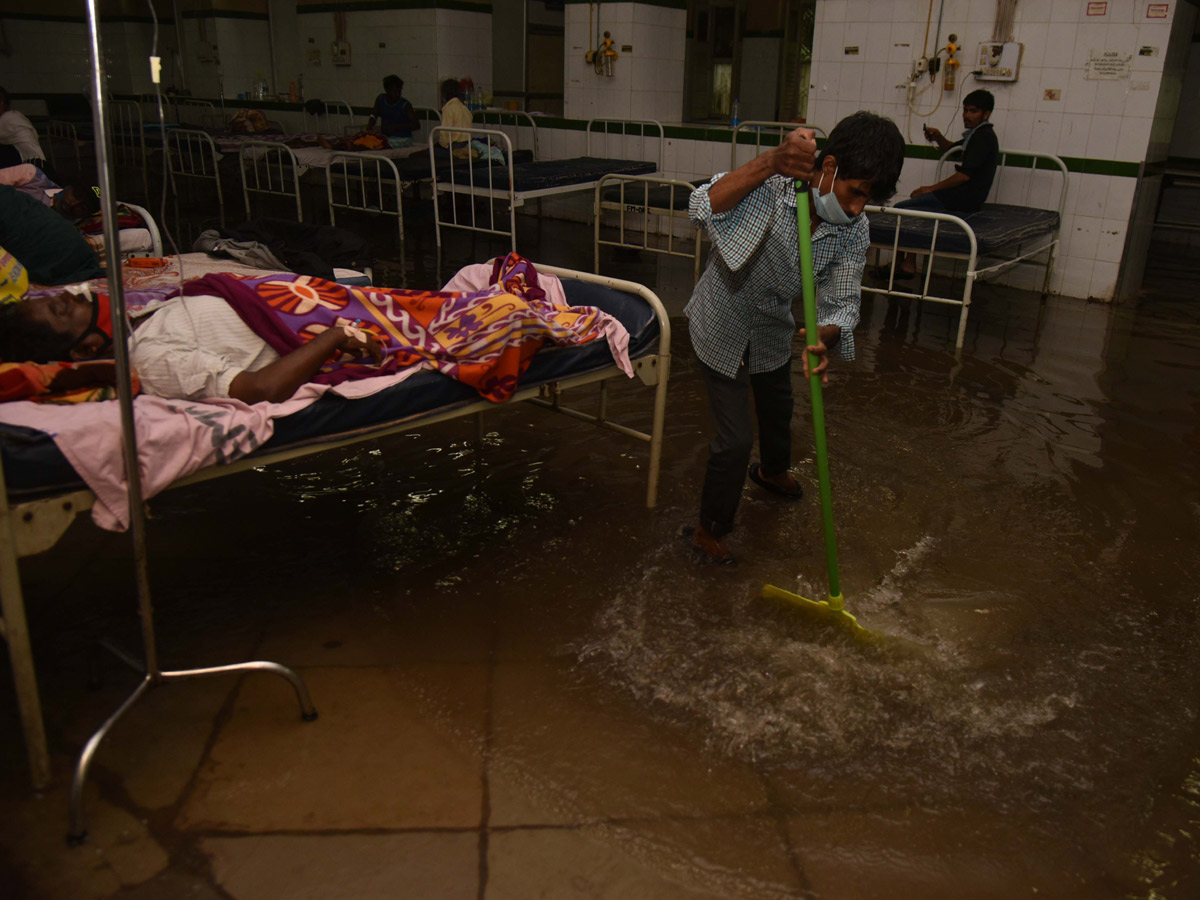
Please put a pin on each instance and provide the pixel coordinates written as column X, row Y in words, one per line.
column 647, row 82
column 52, row 56
column 1096, row 120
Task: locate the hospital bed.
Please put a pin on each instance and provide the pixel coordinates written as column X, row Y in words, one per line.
column 191, row 155
column 143, row 240
column 514, row 183
column 749, row 138
column 41, row 494
column 1019, row 225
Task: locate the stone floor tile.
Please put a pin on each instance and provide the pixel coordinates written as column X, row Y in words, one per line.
column 373, row 759
column 119, row 851
column 564, row 752
column 413, row 866
column 603, row 862
column 918, row 855
column 380, row 630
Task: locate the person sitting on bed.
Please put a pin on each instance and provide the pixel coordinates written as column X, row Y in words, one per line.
column 454, row 115
column 740, row 314
column 397, row 118
column 18, row 137
column 49, row 246
column 966, row 189
column 188, row 348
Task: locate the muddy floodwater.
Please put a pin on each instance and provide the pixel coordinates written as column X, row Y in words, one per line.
column 631, row 724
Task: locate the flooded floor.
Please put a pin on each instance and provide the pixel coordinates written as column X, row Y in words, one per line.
column 528, row 689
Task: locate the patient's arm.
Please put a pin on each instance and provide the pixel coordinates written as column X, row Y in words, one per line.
column 279, row 380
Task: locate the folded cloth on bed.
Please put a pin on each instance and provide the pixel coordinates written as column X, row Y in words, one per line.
column 132, row 240
column 483, row 338
column 248, row 253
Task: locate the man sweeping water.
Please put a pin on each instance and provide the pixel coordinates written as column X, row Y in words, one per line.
column 740, row 314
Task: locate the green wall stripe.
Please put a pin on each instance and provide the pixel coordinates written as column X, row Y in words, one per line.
column 377, row 5
column 670, row 4
column 225, row 15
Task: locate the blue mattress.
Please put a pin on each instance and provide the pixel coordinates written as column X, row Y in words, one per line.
column 996, row 226
column 34, row 466
column 660, row 196
column 554, row 173
column 418, row 168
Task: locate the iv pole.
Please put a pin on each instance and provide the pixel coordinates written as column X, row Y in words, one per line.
column 153, row 675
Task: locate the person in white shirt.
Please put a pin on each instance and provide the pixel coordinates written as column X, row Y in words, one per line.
column 18, row 137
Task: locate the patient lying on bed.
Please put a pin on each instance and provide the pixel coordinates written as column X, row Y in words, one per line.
column 260, row 338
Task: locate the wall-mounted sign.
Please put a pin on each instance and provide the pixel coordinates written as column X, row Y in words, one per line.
column 1107, row 65
column 1097, row 9
column 1147, row 50
column 850, row 51
column 1158, row 10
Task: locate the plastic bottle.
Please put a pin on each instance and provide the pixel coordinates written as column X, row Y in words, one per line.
column 733, row 115
column 292, row 92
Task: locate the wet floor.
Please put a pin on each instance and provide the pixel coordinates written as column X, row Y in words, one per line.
column 528, row 688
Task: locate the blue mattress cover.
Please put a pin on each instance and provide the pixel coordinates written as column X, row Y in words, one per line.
column 660, row 196
column 34, row 466
column 997, row 225
column 552, row 173
column 417, row 168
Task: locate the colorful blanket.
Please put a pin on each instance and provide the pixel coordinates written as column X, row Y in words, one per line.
column 483, row 338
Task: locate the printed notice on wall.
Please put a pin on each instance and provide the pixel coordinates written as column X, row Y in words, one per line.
column 1108, row 65
column 1158, row 10
column 1097, row 9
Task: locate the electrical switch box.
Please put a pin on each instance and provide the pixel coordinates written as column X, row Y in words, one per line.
column 998, row 61
column 340, row 53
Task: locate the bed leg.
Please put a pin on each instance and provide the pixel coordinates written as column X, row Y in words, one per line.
column 966, row 307
column 1049, row 266
column 656, row 430
column 16, row 631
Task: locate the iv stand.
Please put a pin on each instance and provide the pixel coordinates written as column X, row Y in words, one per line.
column 153, row 675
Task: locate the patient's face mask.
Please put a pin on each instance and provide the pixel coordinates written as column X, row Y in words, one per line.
column 827, row 205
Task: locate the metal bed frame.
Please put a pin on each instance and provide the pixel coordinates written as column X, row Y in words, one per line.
column 484, row 182
column 274, row 170
column 638, row 201
column 191, row 153
column 205, row 112
column 331, row 110
column 60, row 132
column 361, row 186
column 128, row 138
column 1019, row 253
column 744, row 130
column 34, row 526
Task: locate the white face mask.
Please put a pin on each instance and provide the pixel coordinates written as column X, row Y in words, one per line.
column 827, row 205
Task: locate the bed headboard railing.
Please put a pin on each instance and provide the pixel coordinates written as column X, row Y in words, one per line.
column 339, row 118
column 511, row 122
column 611, row 133
column 1033, row 195
column 751, row 132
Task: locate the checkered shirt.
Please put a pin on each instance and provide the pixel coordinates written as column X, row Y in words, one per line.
column 745, row 296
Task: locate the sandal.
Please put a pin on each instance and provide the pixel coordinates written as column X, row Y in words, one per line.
column 795, row 492
column 706, row 548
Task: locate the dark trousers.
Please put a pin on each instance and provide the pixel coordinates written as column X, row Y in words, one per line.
column 729, row 452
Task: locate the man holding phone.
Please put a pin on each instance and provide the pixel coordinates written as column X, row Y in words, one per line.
column 965, row 190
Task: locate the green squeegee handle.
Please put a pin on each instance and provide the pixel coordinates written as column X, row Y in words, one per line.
column 804, row 239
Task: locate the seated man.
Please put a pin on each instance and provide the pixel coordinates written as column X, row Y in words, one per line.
column 397, row 118
column 454, row 115
column 966, row 190
column 18, row 137
column 50, row 247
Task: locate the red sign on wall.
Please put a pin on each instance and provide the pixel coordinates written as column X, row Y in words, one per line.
column 1157, row 10
column 1097, row 9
